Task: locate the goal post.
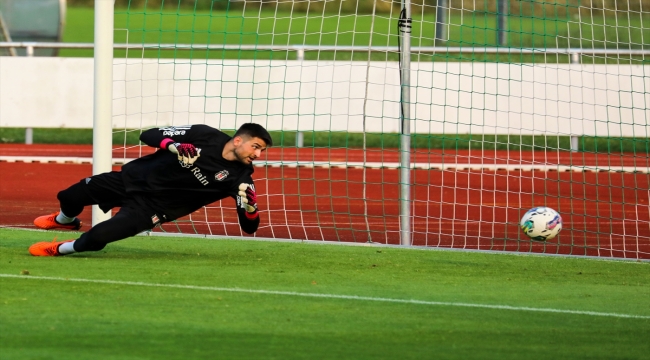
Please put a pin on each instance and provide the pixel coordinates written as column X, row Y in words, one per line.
column 404, row 29
column 385, row 134
column 103, row 96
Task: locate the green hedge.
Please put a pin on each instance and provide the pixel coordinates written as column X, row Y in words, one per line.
column 537, row 8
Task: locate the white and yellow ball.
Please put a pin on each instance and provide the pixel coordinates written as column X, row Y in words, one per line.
column 541, row 223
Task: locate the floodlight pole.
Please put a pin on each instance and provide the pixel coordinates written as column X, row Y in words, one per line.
column 502, row 27
column 103, row 95
column 404, row 26
column 441, row 22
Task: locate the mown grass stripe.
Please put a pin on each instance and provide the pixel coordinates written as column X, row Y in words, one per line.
column 331, row 296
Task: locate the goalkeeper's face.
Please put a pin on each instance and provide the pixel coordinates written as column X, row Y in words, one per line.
column 247, row 149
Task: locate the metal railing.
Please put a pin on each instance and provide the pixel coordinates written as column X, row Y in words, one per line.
column 574, row 53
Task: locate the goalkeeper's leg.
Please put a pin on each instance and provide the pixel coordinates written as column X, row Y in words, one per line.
column 72, row 202
column 107, row 190
column 129, row 221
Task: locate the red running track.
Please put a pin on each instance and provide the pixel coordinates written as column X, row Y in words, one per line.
column 605, row 213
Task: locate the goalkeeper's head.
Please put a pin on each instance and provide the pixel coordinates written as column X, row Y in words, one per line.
column 250, row 141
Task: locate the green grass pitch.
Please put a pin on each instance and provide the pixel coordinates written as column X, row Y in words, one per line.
column 267, row 27
column 184, row 298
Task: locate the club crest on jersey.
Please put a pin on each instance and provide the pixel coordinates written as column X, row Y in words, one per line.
column 221, row 175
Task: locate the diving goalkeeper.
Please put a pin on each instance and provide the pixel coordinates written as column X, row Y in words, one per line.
column 195, row 165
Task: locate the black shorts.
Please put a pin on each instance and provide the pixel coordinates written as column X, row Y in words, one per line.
column 108, row 191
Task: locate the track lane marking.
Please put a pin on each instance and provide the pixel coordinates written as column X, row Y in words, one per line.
column 454, row 166
column 330, row 296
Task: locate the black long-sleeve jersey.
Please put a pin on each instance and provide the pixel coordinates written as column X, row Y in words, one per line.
column 178, row 189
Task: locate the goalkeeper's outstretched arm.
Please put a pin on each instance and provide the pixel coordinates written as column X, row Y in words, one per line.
column 176, row 140
column 163, row 138
column 249, row 217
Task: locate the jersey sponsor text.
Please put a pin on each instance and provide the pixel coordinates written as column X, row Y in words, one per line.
column 202, row 178
column 172, row 133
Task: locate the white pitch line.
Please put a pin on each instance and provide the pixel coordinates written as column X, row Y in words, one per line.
column 331, row 296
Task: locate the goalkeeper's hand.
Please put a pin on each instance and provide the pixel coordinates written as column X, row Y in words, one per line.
column 187, row 153
column 248, row 197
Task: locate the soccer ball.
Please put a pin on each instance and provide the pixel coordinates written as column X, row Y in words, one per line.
column 541, row 223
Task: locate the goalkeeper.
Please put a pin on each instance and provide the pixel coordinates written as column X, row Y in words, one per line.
column 195, row 166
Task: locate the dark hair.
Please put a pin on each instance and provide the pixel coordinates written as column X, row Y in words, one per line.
column 255, row 130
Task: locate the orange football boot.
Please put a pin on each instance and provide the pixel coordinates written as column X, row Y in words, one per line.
column 46, row 248
column 48, row 222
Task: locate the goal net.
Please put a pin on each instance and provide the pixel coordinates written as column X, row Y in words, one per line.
column 506, row 106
